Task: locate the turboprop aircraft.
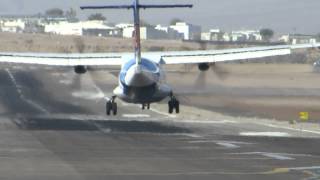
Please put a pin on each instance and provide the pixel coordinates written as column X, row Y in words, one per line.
column 141, row 76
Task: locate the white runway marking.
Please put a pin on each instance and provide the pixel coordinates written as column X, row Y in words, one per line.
column 66, row 82
column 265, row 134
column 288, row 128
column 305, row 168
column 208, row 121
column 88, row 95
column 294, row 129
column 21, row 95
column 190, row 135
column 277, row 156
column 226, row 144
column 163, row 113
column 136, row 115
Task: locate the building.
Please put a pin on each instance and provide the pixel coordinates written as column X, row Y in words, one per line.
column 89, row 28
column 206, row 36
column 298, row 39
column 147, row 32
column 189, row 31
column 152, row 33
column 99, row 28
column 123, row 25
column 226, row 37
column 33, row 27
column 216, row 35
column 171, row 33
column 246, row 35
column 12, row 25
column 64, row 28
column 238, row 37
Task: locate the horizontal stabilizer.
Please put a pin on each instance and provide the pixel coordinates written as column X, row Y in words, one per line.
column 108, row 7
column 141, row 6
column 166, row 6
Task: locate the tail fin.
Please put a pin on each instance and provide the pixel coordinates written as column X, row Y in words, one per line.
column 136, row 15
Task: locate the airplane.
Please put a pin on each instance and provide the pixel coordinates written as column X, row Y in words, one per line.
column 141, row 79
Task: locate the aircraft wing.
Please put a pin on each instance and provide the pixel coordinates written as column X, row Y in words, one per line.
column 178, row 57
column 95, row 59
column 210, row 56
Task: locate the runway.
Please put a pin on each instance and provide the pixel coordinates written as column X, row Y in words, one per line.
column 52, row 126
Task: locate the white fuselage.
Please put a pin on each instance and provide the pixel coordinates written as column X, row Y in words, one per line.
column 141, row 83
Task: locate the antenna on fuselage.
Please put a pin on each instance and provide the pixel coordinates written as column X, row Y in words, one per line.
column 136, row 6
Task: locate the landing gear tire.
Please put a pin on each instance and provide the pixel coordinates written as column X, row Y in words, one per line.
column 170, row 106
column 114, row 108
column 177, row 107
column 145, row 106
column 173, row 104
column 111, row 106
column 108, row 108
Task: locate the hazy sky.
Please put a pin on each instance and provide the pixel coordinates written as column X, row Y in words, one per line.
column 299, row 16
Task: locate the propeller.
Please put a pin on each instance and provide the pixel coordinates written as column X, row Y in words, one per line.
column 76, row 81
column 202, row 78
column 219, row 71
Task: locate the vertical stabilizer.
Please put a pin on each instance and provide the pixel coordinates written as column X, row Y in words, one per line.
column 137, row 39
column 136, row 6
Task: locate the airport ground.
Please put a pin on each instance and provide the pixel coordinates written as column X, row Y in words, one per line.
column 53, row 126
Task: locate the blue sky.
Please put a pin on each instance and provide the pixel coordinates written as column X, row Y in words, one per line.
column 281, row 15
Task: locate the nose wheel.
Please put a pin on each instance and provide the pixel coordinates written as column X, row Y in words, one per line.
column 173, row 104
column 111, row 107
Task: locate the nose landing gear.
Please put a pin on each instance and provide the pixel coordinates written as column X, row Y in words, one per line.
column 111, row 106
column 173, row 104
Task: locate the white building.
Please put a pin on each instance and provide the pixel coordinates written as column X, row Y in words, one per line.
column 123, row 25
column 171, row 33
column 190, row 32
column 206, row 36
column 152, row 33
column 145, row 33
column 12, row 25
column 127, row 32
column 238, row 37
column 226, row 37
column 285, row 38
column 298, row 39
column 97, row 28
column 64, row 28
column 246, row 35
column 216, row 35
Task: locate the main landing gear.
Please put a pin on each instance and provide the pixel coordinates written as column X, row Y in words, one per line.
column 145, row 106
column 111, row 106
column 173, row 104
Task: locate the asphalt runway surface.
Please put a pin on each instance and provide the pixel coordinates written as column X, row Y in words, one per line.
column 53, row 126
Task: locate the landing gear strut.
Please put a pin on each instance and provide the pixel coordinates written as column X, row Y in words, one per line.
column 111, row 106
column 173, row 104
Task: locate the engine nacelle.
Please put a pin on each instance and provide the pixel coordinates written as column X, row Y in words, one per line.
column 204, row 66
column 80, row 69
